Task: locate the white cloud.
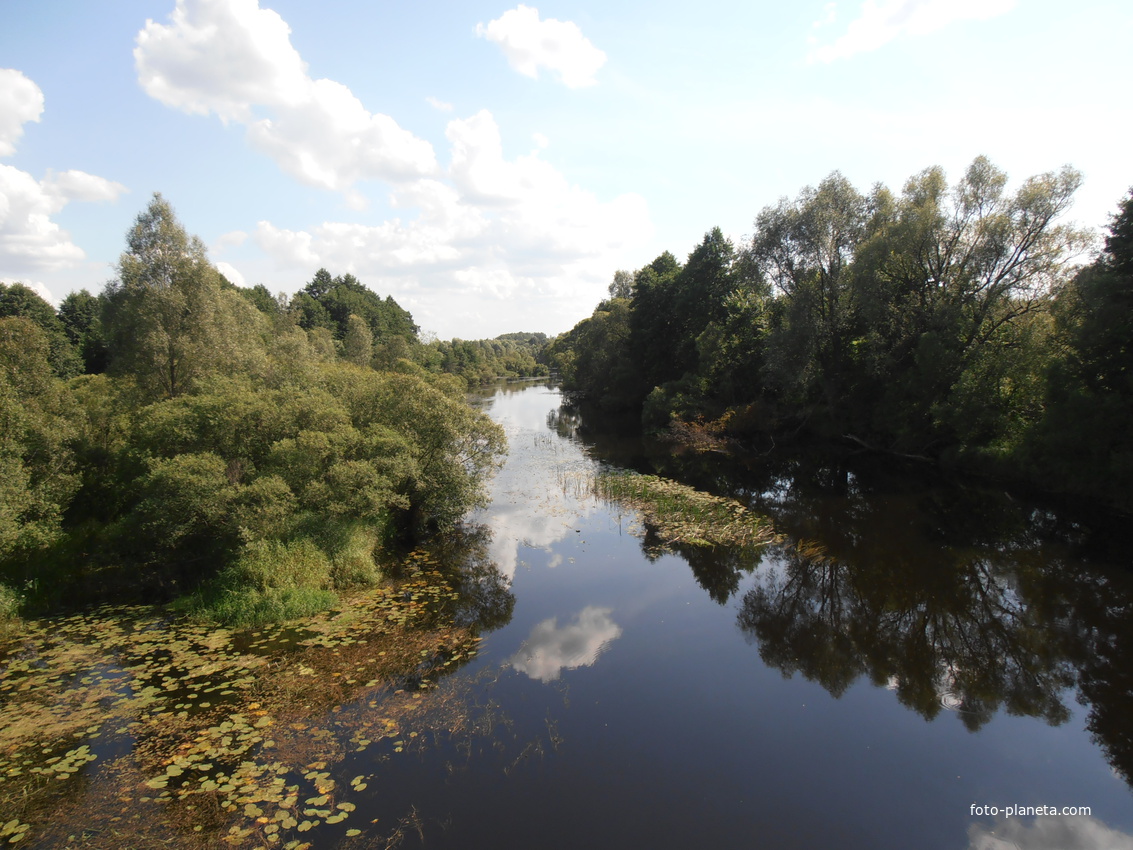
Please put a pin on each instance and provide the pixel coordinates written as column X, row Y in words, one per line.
column 234, row 59
column 37, row 287
column 21, row 101
column 29, row 240
column 552, row 648
column 232, row 273
column 882, row 21
column 232, row 239
column 530, row 44
column 438, row 104
column 515, row 230
column 1048, row 833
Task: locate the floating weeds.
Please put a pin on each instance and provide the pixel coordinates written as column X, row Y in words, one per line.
column 194, row 736
column 685, row 515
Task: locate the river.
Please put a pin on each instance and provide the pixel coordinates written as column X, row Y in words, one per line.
column 912, row 659
column 916, row 657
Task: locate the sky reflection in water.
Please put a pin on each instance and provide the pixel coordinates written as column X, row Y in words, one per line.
column 895, row 607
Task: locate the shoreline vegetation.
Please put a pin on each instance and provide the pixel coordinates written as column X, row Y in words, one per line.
column 677, row 514
column 964, row 325
column 250, row 456
column 203, row 736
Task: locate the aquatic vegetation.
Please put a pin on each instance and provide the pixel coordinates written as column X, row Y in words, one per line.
column 680, row 514
column 136, row 727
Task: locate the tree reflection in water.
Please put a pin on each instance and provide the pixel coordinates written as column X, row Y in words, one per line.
column 953, row 597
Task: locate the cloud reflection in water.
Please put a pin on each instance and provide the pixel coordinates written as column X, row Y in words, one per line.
column 552, row 648
column 1048, row 833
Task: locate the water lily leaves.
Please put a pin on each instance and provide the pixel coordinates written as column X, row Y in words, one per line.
column 192, row 707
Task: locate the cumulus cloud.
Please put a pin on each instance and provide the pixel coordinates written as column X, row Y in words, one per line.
column 552, row 648
column 29, row 240
column 438, row 104
column 21, row 101
column 510, row 229
column 882, row 21
column 35, row 286
column 235, row 60
column 232, row 274
column 513, row 229
column 530, row 44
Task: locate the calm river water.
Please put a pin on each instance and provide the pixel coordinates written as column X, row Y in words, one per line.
column 918, row 656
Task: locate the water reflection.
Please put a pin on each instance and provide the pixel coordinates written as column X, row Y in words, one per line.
column 953, row 596
column 968, row 637
column 1048, row 833
column 552, row 648
column 484, row 599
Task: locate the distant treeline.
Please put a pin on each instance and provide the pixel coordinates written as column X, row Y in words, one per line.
column 945, row 322
column 178, row 435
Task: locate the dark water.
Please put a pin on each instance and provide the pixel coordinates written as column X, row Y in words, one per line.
column 923, row 650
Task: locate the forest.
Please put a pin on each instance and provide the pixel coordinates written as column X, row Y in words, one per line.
column 250, row 456
column 963, row 325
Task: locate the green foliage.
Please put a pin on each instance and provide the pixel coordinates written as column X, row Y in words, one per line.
column 37, row 478
column 10, row 603
column 168, row 318
column 944, row 322
column 228, row 448
column 268, row 582
column 514, row 355
column 17, row 300
column 1084, row 437
column 329, row 303
column 80, row 314
column 357, row 342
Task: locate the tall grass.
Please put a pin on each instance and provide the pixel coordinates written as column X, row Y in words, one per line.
column 270, row 581
column 10, row 602
column 682, row 514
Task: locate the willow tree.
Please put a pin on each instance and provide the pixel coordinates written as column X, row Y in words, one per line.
column 956, row 288
column 168, row 317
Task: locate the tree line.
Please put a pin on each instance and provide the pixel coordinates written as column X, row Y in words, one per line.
column 178, row 436
column 946, row 322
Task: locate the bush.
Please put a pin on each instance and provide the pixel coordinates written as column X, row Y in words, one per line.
column 10, row 602
column 269, row 581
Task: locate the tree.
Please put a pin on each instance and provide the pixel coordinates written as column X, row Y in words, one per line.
column 80, row 315
column 622, row 285
column 957, row 279
column 168, row 318
column 805, row 249
column 19, row 300
column 358, row 343
column 37, row 478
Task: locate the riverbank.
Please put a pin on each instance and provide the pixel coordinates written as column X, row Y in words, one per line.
column 128, row 727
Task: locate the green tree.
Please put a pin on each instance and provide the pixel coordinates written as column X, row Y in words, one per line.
column 358, row 342
column 80, row 314
column 168, row 318
column 958, row 280
column 37, row 478
column 19, row 300
column 805, row 249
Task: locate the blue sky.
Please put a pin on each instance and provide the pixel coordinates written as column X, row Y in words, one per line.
column 492, row 165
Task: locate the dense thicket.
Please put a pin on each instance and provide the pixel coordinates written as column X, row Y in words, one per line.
column 223, row 442
column 946, row 322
